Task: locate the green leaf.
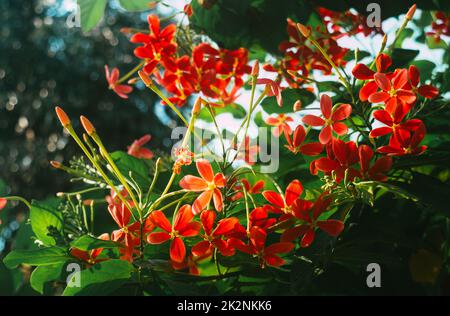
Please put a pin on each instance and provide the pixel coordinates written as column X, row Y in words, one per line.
column 425, row 67
column 102, row 278
column 135, row 5
column 406, row 33
column 138, row 168
column 236, row 110
column 91, row 12
column 44, row 274
column 38, row 257
column 433, row 44
column 403, row 57
column 88, row 243
column 289, row 96
column 45, row 218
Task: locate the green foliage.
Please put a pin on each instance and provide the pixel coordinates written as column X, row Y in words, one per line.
column 101, row 279
column 46, row 221
column 91, row 11
column 290, row 96
column 87, row 242
column 38, row 257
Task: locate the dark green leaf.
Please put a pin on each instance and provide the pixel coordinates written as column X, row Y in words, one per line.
column 289, row 96
column 138, row 168
column 102, row 278
column 236, row 110
column 39, row 257
column 403, row 57
column 45, row 218
column 44, row 274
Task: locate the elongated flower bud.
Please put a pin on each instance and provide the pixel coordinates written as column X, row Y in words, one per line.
column 62, row 116
column 145, row 78
column 255, row 69
column 55, row 164
column 304, row 30
column 87, row 125
column 297, row 105
column 411, row 11
column 197, row 106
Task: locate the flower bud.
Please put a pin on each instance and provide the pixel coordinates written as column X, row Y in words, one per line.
column 145, row 78
column 197, row 106
column 304, row 30
column 133, row 80
column 297, row 105
column 255, row 69
column 55, row 164
column 62, row 116
column 411, row 11
column 87, row 125
column 125, row 30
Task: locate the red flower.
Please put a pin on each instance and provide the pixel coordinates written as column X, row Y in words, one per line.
column 280, row 122
column 255, row 189
column 340, row 157
column 283, row 204
column 309, row 214
column 405, row 143
column 331, row 121
column 267, row 255
column 273, row 89
column 128, row 233
column 440, row 26
column 296, row 143
column 209, row 184
column 393, row 90
column 183, row 226
column 120, row 89
column 393, row 122
column 157, row 46
column 3, row 203
column 212, row 238
column 137, row 150
column 90, row 257
column 425, row 90
column 378, row 170
column 362, row 72
column 259, row 217
column 247, row 151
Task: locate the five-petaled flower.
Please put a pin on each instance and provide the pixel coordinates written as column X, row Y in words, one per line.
column 257, row 247
column 281, row 124
column 309, row 213
column 406, row 143
column 122, row 90
column 296, row 145
column 137, row 150
column 331, row 121
column 90, row 257
column 282, row 204
column 183, row 226
column 212, row 237
column 209, row 184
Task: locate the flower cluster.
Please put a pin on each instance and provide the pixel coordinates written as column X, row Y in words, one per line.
column 440, row 26
column 216, row 73
column 398, row 92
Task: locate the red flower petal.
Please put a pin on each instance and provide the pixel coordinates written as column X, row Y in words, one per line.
column 342, row 112
column 383, row 62
column 202, row 202
column 365, row 156
column 205, row 170
column 292, row 234
column 325, row 135
column 332, row 227
column 378, row 97
column 340, row 128
column 293, row 191
column 192, row 183
column 281, row 247
column 157, row 238
column 368, row 89
column 190, row 230
column 382, row 81
column 218, row 200
column 274, row 261
column 313, row 120
column 160, row 220
column 208, row 218
column 201, row 248
column 381, row 131
column 428, row 91
column 326, row 105
column 362, row 72
column 225, row 226
column 273, row 198
column 177, row 250
column 308, row 238
column 383, row 116
column 183, row 217
column 311, row 149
